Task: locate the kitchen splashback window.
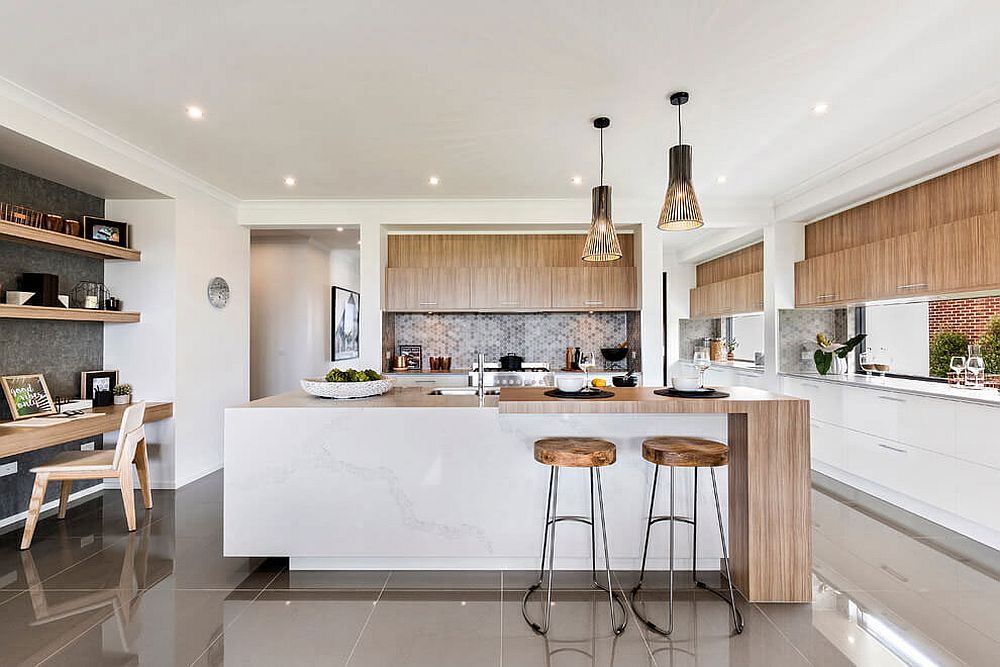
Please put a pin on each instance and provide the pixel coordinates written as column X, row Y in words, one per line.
column 748, row 330
column 919, row 338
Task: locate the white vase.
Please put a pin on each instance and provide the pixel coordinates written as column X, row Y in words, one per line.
column 124, row 399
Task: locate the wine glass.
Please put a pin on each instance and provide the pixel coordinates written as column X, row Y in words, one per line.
column 868, row 362
column 702, row 361
column 588, row 361
column 958, row 364
column 977, row 368
column 883, row 362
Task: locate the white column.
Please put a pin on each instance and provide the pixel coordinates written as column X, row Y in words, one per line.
column 681, row 277
column 373, row 253
column 784, row 244
column 650, row 254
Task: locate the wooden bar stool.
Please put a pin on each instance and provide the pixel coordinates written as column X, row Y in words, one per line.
column 103, row 464
column 592, row 453
column 684, row 452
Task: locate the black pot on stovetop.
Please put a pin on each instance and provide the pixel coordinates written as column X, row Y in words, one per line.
column 511, row 362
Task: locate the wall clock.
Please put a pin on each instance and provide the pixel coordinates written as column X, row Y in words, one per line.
column 218, row 292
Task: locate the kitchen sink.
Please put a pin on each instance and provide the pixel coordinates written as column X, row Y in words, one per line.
column 462, row 391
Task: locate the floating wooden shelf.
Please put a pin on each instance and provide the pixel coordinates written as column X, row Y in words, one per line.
column 8, row 311
column 10, row 231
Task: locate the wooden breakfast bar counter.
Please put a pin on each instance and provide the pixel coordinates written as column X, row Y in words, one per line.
column 769, row 479
column 415, row 481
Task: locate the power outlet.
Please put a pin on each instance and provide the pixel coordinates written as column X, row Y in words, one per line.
column 8, row 469
column 87, row 447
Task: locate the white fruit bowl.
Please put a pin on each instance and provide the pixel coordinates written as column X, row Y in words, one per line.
column 323, row 389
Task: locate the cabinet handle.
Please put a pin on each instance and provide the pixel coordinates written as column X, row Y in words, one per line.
column 911, row 286
column 894, row 449
column 895, row 575
column 892, row 398
column 428, row 303
column 426, row 381
column 593, row 303
column 824, row 297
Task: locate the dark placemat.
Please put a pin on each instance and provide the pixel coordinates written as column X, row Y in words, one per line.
column 556, row 393
column 674, row 393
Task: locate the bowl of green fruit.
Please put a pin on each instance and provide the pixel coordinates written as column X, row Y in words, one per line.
column 347, row 384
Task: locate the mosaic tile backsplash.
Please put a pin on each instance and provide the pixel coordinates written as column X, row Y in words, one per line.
column 690, row 333
column 541, row 337
column 799, row 327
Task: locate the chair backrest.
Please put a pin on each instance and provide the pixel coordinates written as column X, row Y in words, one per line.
column 130, row 433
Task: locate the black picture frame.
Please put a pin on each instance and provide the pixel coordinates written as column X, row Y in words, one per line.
column 91, row 379
column 105, row 231
column 345, row 325
column 414, row 356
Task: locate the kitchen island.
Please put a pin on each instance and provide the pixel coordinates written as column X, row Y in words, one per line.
column 412, row 480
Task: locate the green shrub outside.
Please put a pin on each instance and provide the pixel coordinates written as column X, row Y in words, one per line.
column 990, row 341
column 944, row 346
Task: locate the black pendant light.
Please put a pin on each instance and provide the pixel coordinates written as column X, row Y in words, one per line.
column 602, row 239
column 680, row 210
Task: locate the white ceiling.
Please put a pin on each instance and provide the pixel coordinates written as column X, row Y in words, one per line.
column 366, row 99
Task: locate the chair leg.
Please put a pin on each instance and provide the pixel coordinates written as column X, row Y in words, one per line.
column 548, row 549
column 737, row 616
column 34, row 508
column 142, row 468
column 64, row 488
column 128, row 496
column 612, row 596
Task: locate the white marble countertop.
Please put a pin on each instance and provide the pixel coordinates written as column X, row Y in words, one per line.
column 398, row 397
column 732, row 365
column 905, row 386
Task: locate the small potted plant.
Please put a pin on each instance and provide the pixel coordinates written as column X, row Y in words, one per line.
column 731, row 345
column 832, row 356
column 123, row 394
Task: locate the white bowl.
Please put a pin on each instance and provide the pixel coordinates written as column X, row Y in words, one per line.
column 18, row 298
column 323, row 389
column 686, row 384
column 570, row 383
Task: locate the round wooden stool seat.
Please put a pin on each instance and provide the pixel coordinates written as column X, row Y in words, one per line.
column 685, row 452
column 575, row 452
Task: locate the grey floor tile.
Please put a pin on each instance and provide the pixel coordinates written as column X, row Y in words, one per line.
column 454, row 580
column 432, row 628
column 329, row 580
column 162, row 627
column 578, row 580
column 46, row 557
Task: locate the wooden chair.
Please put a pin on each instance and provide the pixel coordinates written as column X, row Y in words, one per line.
column 104, row 464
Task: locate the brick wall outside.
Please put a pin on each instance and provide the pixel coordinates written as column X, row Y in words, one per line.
column 967, row 316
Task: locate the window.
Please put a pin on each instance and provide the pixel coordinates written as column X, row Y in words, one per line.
column 749, row 331
column 921, row 337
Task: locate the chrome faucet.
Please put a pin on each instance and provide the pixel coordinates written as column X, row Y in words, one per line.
column 481, row 375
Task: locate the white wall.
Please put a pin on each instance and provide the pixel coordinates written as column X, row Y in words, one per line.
column 213, row 345
column 145, row 354
column 290, row 315
column 681, row 277
column 345, row 268
column 902, row 329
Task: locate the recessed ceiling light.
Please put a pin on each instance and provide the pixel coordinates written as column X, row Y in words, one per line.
column 196, row 113
column 433, row 180
column 359, row 242
column 720, row 179
column 820, row 108
column 289, row 181
column 340, row 229
column 577, row 180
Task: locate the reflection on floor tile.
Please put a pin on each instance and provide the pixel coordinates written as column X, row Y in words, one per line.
column 888, row 589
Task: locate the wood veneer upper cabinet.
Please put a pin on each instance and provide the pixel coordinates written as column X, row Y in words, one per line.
column 820, row 281
column 511, row 289
column 735, row 264
column 410, row 289
column 963, row 193
column 594, row 288
column 989, row 244
column 957, row 255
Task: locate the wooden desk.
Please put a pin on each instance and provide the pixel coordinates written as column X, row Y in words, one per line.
column 19, row 439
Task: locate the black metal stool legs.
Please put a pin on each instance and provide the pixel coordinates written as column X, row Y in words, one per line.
column 548, row 551
column 737, row 618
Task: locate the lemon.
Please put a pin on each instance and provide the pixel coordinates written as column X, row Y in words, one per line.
column 598, row 382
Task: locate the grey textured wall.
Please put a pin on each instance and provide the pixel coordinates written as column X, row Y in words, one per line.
column 59, row 350
column 797, row 330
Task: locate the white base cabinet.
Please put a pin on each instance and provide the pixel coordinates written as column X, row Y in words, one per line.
column 939, row 458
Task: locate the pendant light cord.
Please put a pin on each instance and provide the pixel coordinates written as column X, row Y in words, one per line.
column 602, row 156
column 680, row 135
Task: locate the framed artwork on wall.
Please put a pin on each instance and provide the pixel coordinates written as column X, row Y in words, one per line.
column 27, row 396
column 105, row 231
column 346, row 343
column 94, row 381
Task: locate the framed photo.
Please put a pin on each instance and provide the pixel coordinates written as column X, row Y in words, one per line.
column 346, row 324
column 414, row 356
column 105, row 231
column 27, row 396
column 91, row 381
